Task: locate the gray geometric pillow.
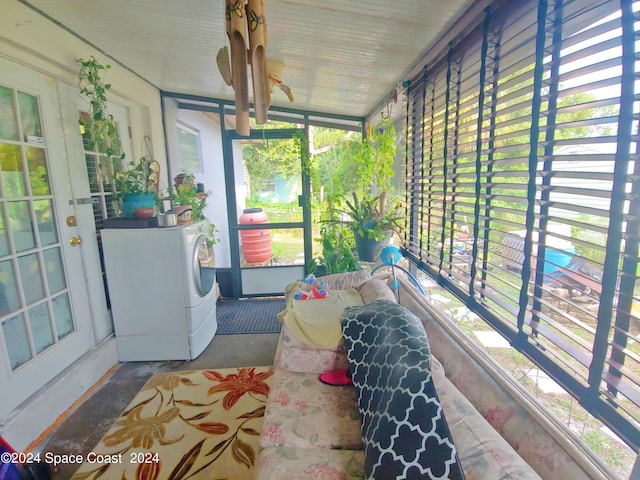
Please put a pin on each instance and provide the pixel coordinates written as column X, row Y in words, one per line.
column 403, row 426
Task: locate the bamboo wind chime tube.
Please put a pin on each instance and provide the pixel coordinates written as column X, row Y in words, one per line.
column 258, row 59
column 222, row 59
column 237, row 33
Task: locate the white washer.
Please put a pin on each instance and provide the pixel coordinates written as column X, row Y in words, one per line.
column 162, row 289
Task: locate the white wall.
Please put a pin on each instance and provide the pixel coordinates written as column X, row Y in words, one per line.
column 31, row 41
column 212, row 171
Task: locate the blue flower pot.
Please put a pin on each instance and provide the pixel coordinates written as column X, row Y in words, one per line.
column 133, row 201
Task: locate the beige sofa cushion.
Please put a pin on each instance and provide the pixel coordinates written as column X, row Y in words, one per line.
column 482, row 451
column 296, row 356
column 376, row 289
column 346, row 280
column 309, row 463
column 303, row 412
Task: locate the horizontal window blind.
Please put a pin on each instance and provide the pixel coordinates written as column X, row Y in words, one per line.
column 522, row 190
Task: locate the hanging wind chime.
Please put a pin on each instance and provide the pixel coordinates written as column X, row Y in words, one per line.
column 245, row 19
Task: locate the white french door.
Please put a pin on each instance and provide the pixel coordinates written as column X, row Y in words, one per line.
column 45, row 314
column 93, row 185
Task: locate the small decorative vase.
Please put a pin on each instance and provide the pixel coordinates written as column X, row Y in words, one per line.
column 183, row 212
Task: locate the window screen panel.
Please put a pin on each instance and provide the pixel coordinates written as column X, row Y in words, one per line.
column 523, row 172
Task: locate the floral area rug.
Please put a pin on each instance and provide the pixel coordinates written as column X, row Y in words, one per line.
column 198, row 424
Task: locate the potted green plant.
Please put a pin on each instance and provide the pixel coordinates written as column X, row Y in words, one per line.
column 134, row 187
column 187, row 203
column 373, row 220
column 131, row 182
column 337, row 251
column 371, row 211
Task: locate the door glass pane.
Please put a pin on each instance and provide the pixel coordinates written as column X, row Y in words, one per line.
column 38, row 174
column 21, row 226
column 41, row 327
column 31, row 278
column 92, row 172
column 62, row 315
column 12, row 172
column 30, row 116
column 32, row 265
column 16, row 340
column 272, row 178
column 105, row 174
column 55, row 272
column 46, row 222
column 264, row 248
column 9, row 299
column 85, row 131
column 8, row 123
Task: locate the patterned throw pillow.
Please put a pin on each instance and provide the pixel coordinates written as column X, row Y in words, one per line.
column 403, row 426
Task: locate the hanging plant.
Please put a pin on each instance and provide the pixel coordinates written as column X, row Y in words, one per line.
column 101, row 127
column 101, row 132
column 375, row 157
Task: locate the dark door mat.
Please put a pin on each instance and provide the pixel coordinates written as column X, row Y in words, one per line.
column 254, row 315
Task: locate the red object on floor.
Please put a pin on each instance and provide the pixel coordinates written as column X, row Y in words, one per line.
column 340, row 377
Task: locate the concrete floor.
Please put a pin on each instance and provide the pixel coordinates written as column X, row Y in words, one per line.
column 87, row 424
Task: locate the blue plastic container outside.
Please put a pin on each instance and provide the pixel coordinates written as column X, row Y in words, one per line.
column 560, row 259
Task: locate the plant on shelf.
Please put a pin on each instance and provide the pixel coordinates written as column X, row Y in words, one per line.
column 186, row 198
column 136, row 186
column 135, row 178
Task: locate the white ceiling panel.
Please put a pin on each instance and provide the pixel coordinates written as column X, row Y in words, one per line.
column 341, row 57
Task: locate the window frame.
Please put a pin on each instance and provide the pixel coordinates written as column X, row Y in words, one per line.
column 189, row 163
column 442, row 190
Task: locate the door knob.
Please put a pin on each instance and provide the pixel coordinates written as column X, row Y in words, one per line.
column 75, row 241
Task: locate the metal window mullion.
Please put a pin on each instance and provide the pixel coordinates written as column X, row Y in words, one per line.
column 408, row 179
column 618, row 198
column 453, row 106
column 432, row 105
column 409, row 176
column 536, row 103
column 555, row 22
column 422, row 131
column 494, row 71
column 445, row 155
column 414, row 200
column 478, row 161
column 422, row 160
